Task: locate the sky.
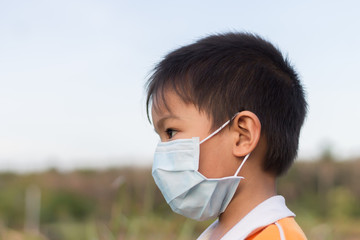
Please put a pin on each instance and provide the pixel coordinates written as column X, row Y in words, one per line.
column 72, row 73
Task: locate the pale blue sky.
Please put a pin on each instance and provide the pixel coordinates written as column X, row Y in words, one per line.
column 72, row 72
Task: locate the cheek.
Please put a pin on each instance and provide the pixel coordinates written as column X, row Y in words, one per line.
column 216, row 159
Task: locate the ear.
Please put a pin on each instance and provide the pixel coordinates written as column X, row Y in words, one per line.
column 246, row 129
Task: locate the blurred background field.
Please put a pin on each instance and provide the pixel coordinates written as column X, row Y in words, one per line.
column 72, row 77
column 125, row 204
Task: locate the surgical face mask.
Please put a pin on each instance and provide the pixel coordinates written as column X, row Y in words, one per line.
column 185, row 189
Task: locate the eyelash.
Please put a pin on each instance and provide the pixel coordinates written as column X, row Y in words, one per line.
column 170, row 133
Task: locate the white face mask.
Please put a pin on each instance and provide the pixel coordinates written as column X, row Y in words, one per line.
column 185, row 189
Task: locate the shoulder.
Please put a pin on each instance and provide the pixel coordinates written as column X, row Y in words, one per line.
column 289, row 227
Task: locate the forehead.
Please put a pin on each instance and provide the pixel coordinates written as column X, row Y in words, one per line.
column 165, row 103
column 171, row 106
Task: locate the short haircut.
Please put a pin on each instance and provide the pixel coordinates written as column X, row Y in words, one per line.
column 224, row 74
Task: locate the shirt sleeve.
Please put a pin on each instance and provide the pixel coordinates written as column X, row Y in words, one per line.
column 290, row 228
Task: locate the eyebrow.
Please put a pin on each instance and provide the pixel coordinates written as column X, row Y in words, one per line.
column 160, row 124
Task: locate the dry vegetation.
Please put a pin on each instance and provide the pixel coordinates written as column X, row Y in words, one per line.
column 125, row 204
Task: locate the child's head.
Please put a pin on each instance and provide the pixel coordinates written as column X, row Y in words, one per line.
column 229, row 73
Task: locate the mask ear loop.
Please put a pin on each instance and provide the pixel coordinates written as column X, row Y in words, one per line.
column 219, row 129
column 238, row 170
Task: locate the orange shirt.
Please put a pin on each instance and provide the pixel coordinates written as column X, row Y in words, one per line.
column 270, row 220
column 285, row 228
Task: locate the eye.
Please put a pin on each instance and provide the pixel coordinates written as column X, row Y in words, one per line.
column 170, row 133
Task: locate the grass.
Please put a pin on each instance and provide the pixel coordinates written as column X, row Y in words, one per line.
column 154, row 227
column 85, row 205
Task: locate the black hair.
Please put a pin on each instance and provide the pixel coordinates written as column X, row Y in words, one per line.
column 227, row 73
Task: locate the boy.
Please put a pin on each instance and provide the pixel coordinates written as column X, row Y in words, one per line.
column 228, row 110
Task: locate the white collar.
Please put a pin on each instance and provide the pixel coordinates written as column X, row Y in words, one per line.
column 267, row 212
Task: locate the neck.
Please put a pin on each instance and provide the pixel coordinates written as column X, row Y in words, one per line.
column 252, row 191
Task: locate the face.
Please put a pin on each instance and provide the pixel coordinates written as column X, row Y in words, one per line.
column 184, row 121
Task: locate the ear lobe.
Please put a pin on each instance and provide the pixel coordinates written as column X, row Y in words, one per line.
column 247, row 132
